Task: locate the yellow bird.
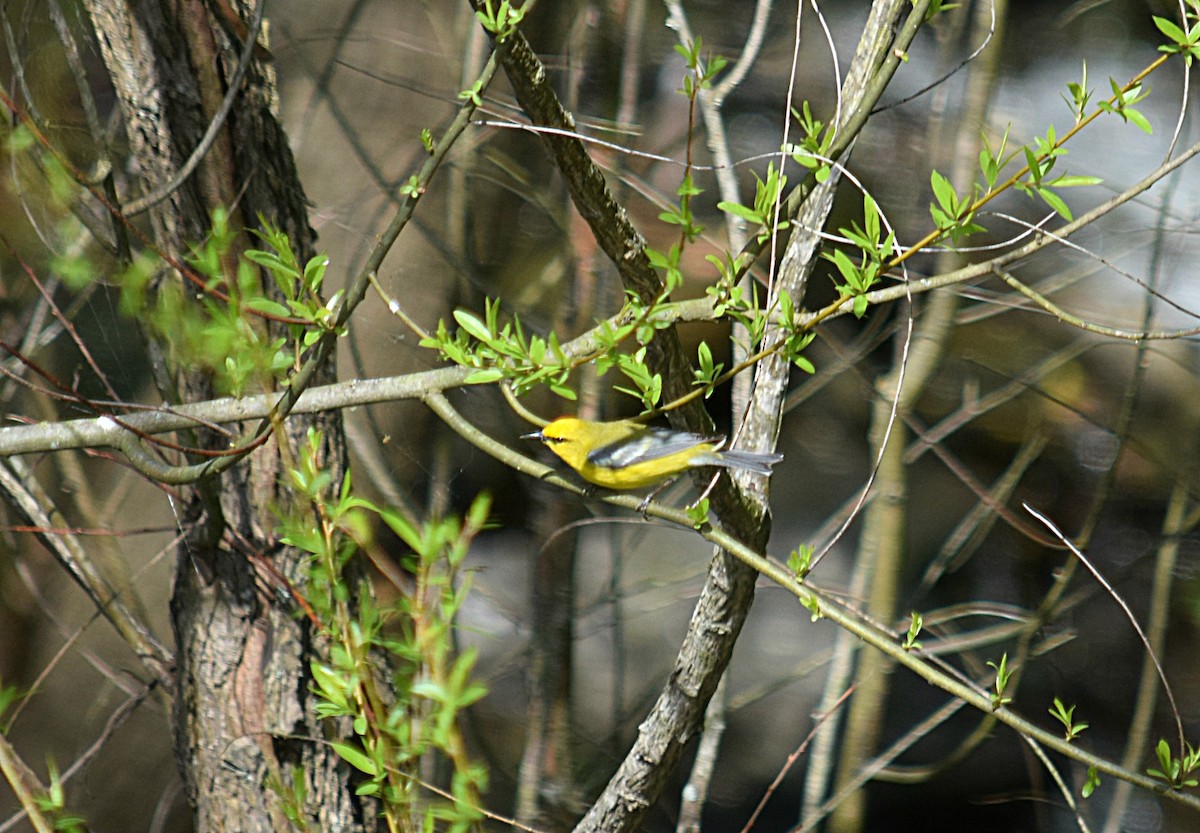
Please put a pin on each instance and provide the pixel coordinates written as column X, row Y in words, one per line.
column 624, row 454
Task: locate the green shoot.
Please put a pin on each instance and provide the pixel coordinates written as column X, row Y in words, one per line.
column 1003, row 672
column 1066, row 716
column 911, row 643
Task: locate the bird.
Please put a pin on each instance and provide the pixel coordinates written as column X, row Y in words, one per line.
column 624, row 454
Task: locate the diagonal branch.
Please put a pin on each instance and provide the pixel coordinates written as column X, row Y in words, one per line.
column 23, row 493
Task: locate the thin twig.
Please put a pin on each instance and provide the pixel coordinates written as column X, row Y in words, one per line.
column 1063, row 789
column 1096, row 574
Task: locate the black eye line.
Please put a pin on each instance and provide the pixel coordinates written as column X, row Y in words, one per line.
column 546, row 439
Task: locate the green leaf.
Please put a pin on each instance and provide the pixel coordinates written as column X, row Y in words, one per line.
column 268, row 307
column 739, row 210
column 1056, row 202
column 484, row 376
column 850, row 271
column 943, row 191
column 329, row 684
column 813, row 604
column 563, row 391
column 314, row 270
column 472, row 693
column 1066, row 181
column 272, row 262
column 404, row 530
column 915, row 623
column 1169, row 29
column 1031, row 162
column 1138, row 119
column 800, row 561
column 430, row 690
column 356, row 757
column 871, row 219
column 472, row 325
column 688, row 188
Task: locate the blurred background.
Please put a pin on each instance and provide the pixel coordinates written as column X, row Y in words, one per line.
column 1095, row 432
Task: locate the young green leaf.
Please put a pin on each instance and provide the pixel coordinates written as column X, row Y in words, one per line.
column 355, row 757
column 472, row 325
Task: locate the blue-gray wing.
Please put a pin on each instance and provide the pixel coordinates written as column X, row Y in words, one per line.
column 650, row 444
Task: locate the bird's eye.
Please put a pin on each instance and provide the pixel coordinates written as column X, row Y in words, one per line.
column 547, row 439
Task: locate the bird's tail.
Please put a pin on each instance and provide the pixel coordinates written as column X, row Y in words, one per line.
column 754, row 461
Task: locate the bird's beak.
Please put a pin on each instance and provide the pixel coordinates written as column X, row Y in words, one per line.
column 536, row 435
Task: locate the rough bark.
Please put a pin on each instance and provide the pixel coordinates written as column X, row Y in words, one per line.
column 242, row 702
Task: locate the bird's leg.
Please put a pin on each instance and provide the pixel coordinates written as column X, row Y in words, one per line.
column 655, row 492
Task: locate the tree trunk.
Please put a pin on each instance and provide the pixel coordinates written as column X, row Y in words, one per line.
column 244, row 718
